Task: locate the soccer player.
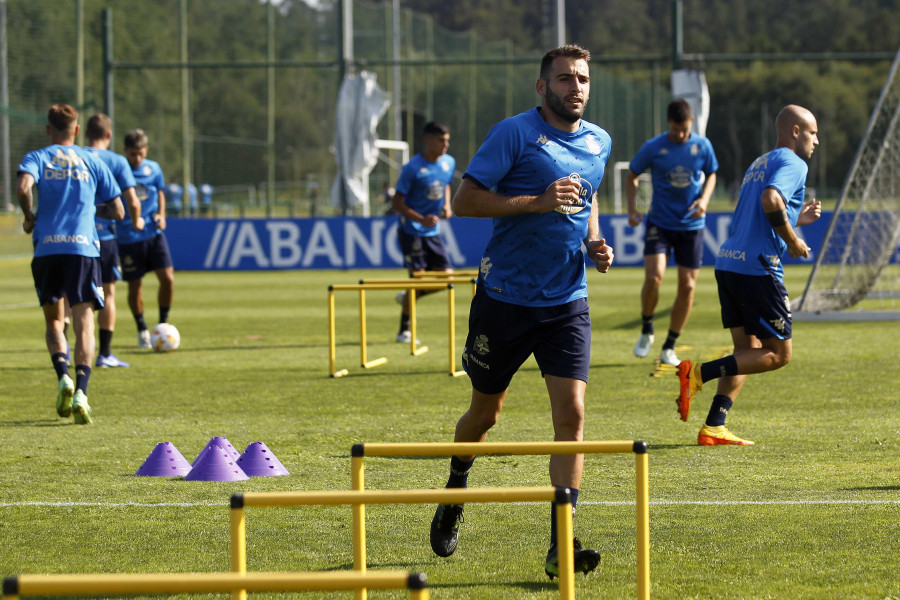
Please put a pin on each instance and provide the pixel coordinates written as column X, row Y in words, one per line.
column 146, row 250
column 750, row 276
column 683, row 169
column 73, row 186
column 421, row 199
column 535, row 175
column 99, row 136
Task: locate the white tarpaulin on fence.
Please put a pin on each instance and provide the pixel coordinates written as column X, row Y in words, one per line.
column 361, row 104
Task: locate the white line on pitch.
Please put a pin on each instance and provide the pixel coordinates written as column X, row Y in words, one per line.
column 20, row 305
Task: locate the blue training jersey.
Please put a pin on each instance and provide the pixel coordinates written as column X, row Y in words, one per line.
column 149, row 181
column 70, row 183
column 753, row 246
column 121, row 170
column 677, row 172
column 423, row 185
column 537, row 259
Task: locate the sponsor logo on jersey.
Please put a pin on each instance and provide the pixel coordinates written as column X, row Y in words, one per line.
column 585, row 193
column 61, row 238
column 67, row 165
column 732, row 254
column 678, row 177
column 436, row 190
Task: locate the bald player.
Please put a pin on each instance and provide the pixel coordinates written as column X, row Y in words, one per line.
column 750, row 276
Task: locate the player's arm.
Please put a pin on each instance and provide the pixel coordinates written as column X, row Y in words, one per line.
column 161, row 214
column 776, row 212
column 473, row 200
column 404, row 210
column 810, row 212
column 26, row 200
column 447, row 210
column 112, row 209
column 698, row 208
column 598, row 251
column 134, row 208
column 631, row 188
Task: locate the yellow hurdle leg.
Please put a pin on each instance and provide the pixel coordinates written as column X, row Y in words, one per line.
column 358, row 483
column 566, row 556
column 238, row 548
column 642, row 507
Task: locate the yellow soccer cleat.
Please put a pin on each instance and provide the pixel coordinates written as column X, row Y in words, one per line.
column 718, row 436
column 689, row 378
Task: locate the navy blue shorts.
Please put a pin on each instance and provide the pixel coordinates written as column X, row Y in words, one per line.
column 109, row 261
column 759, row 303
column 502, row 336
column 687, row 246
column 421, row 253
column 144, row 256
column 72, row 275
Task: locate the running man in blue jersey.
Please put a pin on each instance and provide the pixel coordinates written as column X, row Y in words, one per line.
column 422, row 199
column 535, row 175
column 755, row 304
column 683, row 169
column 146, row 250
column 99, row 135
column 73, row 186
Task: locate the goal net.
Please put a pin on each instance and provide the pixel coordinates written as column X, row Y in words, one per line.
column 858, row 262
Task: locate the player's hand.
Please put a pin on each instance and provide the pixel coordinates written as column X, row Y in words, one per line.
column 810, row 213
column 798, row 249
column 160, row 221
column 140, row 223
column 635, row 217
column 430, row 220
column 28, row 223
column 600, row 254
column 562, row 192
column 697, row 210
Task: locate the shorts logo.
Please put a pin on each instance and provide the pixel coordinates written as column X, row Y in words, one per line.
column 481, row 345
column 585, row 193
column 787, row 305
column 778, row 324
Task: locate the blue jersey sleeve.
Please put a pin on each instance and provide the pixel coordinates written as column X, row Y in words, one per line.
column 497, row 155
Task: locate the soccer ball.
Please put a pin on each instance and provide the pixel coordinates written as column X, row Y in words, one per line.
column 164, row 337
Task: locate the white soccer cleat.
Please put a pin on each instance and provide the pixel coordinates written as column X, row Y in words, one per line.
column 405, row 337
column 399, row 297
column 642, row 348
column 144, row 339
column 667, row 357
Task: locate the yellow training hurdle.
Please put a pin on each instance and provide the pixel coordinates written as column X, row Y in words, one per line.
column 407, row 284
column 184, row 583
column 358, row 498
column 441, row 274
column 641, row 468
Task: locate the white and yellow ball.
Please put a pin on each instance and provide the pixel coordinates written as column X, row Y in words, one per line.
column 164, row 337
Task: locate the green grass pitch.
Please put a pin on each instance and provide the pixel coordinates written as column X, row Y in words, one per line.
column 812, row 511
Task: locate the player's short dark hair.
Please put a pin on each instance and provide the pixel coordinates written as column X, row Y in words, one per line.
column 62, row 117
column 97, row 127
column 567, row 51
column 435, row 128
column 679, row 111
column 136, row 138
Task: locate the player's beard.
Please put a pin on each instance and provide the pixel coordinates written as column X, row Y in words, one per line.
column 557, row 104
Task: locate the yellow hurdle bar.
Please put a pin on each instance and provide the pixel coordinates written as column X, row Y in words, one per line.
column 359, row 498
column 405, row 284
column 185, row 583
column 450, row 279
column 444, row 274
column 641, row 467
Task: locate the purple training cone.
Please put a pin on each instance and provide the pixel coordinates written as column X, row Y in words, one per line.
column 164, row 461
column 258, row 461
column 215, row 465
column 222, row 443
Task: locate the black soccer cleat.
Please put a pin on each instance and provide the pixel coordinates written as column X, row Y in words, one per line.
column 445, row 528
column 586, row 560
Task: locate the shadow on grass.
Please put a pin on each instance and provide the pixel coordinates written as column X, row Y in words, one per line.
column 36, row 423
column 873, row 488
column 413, row 567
